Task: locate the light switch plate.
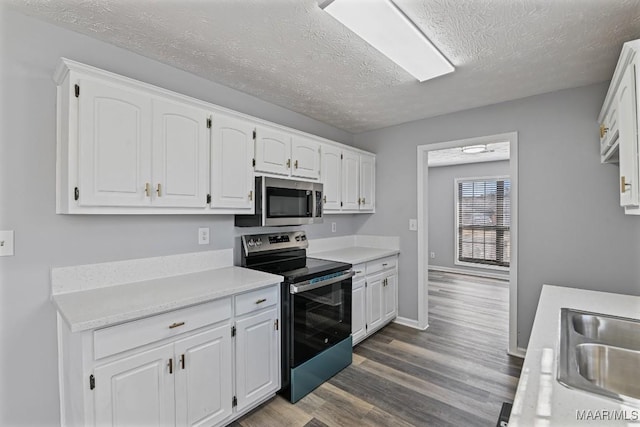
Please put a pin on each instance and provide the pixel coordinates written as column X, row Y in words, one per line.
column 333, row 227
column 203, row 236
column 413, row 224
column 6, row 243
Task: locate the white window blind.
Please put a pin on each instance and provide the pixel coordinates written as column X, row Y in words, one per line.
column 484, row 220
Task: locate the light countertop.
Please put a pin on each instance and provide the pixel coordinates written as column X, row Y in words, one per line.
column 540, row 399
column 96, row 308
column 355, row 254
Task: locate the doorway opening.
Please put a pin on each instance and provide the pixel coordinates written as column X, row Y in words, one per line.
column 482, row 234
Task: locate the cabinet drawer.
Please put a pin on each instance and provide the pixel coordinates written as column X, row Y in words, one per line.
column 119, row 338
column 257, row 300
column 359, row 270
column 381, row 264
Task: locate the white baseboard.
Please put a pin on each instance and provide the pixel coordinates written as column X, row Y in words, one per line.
column 409, row 322
column 520, row 352
column 469, row 272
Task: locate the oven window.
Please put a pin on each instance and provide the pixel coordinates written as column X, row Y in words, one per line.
column 321, row 318
column 288, row 203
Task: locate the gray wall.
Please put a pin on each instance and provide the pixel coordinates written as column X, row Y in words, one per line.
column 571, row 230
column 30, row 52
column 442, row 209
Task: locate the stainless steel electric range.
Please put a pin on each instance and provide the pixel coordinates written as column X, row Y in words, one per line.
column 316, row 309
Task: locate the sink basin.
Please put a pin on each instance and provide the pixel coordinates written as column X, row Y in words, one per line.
column 610, row 368
column 609, row 330
column 600, row 354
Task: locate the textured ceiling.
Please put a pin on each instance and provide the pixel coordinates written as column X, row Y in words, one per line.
column 291, row 53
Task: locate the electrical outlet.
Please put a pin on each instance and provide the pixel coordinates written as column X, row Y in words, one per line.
column 333, row 227
column 6, row 243
column 413, row 225
column 432, row 255
column 203, row 236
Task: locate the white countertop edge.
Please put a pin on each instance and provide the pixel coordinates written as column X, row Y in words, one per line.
column 540, row 399
column 162, row 305
column 355, row 254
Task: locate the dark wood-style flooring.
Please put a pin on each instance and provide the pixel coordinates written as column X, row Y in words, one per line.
column 456, row 373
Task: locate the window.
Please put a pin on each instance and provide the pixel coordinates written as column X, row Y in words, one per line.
column 483, row 221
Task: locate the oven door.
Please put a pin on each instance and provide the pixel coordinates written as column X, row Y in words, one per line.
column 320, row 318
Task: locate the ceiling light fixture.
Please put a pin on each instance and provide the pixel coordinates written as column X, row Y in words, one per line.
column 385, row 27
column 475, row 149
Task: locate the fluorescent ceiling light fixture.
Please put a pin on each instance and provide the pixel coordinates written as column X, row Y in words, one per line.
column 385, row 27
column 474, row 149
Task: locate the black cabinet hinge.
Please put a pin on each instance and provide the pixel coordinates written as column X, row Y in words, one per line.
column 209, row 123
column 92, row 382
column 77, row 88
column 76, row 193
column 233, row 332
column 234, row 402
column 254, row 134
column 208, row 198
column 253, row 162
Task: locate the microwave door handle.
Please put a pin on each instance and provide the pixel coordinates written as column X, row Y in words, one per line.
column 311, row 204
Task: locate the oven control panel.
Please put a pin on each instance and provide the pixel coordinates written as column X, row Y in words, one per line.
column 253, row 243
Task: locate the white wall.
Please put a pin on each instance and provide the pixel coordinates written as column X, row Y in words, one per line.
column 571, row 230
column 442, row 209
column 29, row 53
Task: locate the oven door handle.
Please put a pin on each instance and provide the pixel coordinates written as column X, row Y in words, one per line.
column 306, row 286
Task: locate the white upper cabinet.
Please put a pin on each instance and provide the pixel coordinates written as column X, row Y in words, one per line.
column 350, row 181
column 305, row 154
column 180, row 168
column 127, row 147
column 619, row 121
column 331, row 177
column 114, row 145
column 281, row 153
column 628, row 139
column 273, row 151
column 367, row 182
column 232, row 183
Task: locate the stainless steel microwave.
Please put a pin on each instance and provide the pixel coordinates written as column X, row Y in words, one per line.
column 284, row 202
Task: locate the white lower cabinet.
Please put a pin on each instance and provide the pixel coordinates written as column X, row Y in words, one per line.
column 257, row 364
column 358, row 309
column 179, row 370
column 135, row 390
column 374, row 300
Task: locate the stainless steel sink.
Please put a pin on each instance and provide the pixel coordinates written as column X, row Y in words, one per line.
column 611, row 368
column 600, row 354
column 609, row 330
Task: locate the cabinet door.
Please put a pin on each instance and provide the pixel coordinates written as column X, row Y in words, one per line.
column 114, row 144
column 273, row 151
column 358, row 313
column 374, row 300
column 350, row 181
column 257, row 357
column 390, row 286
column 331, row 177
column 305, row 154
column 367, row 182
column 628, row 139
column 232, row 184
column 136, row 390
column 203, row 378
column 180, row 155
